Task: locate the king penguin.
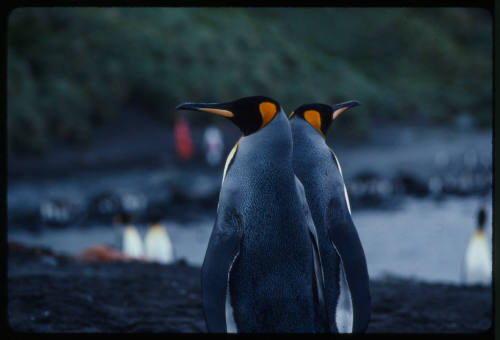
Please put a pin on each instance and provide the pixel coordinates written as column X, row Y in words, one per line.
column 157, row 243
column 347, row 294
column 477, row 267
column 132, row 244
column 260, row 268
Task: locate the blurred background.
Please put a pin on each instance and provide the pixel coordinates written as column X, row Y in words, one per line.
column 93, row 135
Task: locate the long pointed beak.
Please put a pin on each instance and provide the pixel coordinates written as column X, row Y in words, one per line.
column 214, row 108
column 339, row 108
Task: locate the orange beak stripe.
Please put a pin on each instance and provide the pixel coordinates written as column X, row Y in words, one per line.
column 224, row 113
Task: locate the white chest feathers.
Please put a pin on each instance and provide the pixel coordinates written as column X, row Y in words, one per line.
column 478, row 265
column 132, row 242
column 158, row 245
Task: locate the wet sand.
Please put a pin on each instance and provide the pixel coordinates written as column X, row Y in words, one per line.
column 53, row 293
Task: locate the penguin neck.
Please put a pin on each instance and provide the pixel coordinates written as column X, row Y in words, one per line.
column 304, row 134
column 274, row 139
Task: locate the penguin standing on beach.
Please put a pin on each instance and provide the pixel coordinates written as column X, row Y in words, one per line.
column 157, row 243
column 260, row 269
column 132, row 244
column 478, row 267
column 347, row 293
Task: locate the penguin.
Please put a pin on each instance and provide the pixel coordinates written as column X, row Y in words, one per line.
column 477, row 267
column 57, row 212
column 260, row 271
column 157, row 243
column 132, row 244
column 346, row 281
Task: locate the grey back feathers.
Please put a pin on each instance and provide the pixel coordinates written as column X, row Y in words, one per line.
column 268, row 278
column 268, row 267
column 344, row 264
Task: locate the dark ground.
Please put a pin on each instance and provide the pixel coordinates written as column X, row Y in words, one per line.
column 52, row 293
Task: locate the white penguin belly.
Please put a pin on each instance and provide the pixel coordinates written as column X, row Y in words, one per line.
column 158, row 245
column 132, row 242
column 344, row 317
column 347, row 200
column 230, row 322
column 478, row 265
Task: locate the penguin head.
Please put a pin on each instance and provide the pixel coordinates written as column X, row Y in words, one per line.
column 481, row 218
column 320, row 116
column 249, row 114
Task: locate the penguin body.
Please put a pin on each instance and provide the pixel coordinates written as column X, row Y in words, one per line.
column 158, row 246
column 132, row 242
column 477, row 267
column 258, row 273
column 346, row 280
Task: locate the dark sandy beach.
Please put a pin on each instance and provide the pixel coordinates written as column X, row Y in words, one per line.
column 48, row 292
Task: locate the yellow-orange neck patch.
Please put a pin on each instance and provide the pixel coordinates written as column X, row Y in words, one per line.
column 313, row 118
column 267, row 111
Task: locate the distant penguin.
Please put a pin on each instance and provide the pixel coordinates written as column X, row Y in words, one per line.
column 158, row 246
column 346, row 282
column 259, row 269
column 132, row 244
column 105, row 205
column 57, row 212
column 478, row 267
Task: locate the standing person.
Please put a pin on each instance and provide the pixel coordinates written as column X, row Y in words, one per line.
column 183, row 142
column 213, row 145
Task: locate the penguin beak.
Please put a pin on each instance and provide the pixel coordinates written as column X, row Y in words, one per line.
column 339, row 108
column 214, row 108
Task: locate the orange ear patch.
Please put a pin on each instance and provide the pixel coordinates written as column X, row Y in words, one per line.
column 313, row 118
column 267, row 111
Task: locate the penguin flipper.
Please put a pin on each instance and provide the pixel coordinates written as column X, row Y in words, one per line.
column 319, row 276
column 345, row 239
column 223, row 249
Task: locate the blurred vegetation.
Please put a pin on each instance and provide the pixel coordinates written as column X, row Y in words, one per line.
column 70, row 69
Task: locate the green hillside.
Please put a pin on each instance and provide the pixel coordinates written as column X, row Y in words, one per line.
column 70, row 69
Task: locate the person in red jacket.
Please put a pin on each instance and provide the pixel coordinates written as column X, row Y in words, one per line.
column 183, row 142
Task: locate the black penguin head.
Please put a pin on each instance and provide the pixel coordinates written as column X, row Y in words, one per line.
column 320, row 116
column 481, row 218
column 250, row 114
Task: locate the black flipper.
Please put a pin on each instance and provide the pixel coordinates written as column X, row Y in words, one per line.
column 322, row 322
column 223, row 248
column 344, row 235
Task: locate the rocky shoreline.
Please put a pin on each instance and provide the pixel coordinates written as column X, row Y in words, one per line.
column 66, row 189
column 49, row 292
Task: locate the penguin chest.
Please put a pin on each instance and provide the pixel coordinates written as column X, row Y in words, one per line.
column 478, row 265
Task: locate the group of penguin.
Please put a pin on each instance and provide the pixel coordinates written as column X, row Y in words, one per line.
column 156, row 246
column 284, row 254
